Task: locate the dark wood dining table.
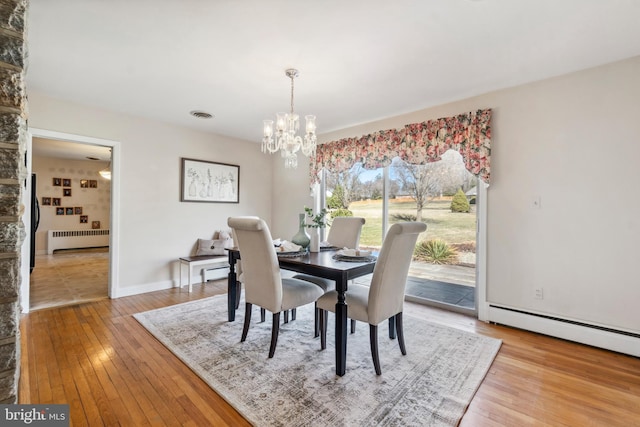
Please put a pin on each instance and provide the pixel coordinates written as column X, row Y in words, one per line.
column 321, row 264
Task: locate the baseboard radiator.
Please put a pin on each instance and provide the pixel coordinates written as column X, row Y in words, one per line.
column 76, row 239
column 620, row 341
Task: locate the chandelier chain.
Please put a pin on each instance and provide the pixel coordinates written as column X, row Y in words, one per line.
column 292, row 77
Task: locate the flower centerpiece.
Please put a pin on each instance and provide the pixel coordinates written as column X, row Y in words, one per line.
column 315, row 222
column 318, row 220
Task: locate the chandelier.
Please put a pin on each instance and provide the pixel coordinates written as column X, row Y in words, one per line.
column 284, row 136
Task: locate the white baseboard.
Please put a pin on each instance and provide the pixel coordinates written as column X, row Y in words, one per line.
column 127, row 291
column 582, row 333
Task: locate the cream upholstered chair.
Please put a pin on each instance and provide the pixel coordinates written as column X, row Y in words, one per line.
column 344, row 233
column 263, row 284
column 384, row 298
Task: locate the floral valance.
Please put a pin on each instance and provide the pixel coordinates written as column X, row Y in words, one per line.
column 416, row 143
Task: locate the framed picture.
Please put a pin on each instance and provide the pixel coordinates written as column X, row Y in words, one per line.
column 93, row 183
column 66, row 182
column 57, row 182
column 66, row 192
column 68, row 211
column 59, row 211
column 84, row 219
column 77, row 210
column 46, row 201
column 84, row 183
column 203, row 181
column 56, row 201
column 95, row 224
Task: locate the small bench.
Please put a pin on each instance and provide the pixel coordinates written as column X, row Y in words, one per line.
column 203, row 261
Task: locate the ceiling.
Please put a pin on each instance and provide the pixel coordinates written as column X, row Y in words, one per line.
column 43, row 147
column 359, row 60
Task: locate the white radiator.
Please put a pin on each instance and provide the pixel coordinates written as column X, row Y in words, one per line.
column 76, row 239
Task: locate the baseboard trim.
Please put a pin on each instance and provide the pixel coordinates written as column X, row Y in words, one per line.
column 597, row 336
column 142, row 289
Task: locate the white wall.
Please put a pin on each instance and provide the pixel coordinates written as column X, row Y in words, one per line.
column 95, row 202
column 573, row 141
column 155, row 227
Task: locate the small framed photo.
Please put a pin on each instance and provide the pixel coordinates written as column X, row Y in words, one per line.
column 56, row 201
column 66, row 182
column 77, row 210
column 93, row 183
column 95, row 224
column 46, row 201
column 84, row 183
column 84, row 219
column 66, row 192
column 212, row 182
column 59, row 211
column 68, row 211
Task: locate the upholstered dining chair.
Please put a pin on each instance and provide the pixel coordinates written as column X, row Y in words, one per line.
column 384, row 298
column 263, row 284
column 344, row 233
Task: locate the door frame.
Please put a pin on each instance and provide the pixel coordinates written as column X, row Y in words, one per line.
column 114, row 226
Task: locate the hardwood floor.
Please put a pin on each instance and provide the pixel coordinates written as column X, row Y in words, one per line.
column 111, row 371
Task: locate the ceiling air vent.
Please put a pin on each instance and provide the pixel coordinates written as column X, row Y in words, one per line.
column 201, row 114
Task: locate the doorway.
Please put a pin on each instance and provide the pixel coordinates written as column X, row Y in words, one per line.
column 82, row 264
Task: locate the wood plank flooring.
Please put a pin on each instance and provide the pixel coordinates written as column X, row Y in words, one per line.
column 111, row 371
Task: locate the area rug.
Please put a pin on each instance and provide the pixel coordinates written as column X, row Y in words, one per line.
column 431, row 386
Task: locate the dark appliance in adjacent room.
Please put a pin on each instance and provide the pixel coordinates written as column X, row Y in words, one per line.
column 35, row 221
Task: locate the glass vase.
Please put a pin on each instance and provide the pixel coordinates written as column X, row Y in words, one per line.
column 302, row 238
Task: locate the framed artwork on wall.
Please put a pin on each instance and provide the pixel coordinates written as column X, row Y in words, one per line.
column 46, row 201
column 56, row 201
column 68, row 211
column 57, row 182
column 66, row 192
column 84, row 183
column 66, row 182
column 93, row 183
column 212, row 182
column 59, row 211
column 95, row 225
column 84, row 219
column 77, row 210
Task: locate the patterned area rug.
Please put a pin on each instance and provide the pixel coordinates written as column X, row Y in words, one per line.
column 431, row 386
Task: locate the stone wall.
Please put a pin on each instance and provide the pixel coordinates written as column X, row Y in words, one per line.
column 13, row 111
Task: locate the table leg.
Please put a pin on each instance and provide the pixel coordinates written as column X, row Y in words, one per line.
column 341, row 333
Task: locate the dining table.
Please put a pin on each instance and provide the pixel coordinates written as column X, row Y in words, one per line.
column 320, row 264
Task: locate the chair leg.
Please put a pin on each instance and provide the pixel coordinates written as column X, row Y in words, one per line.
column 275, row 327
column 373, row 339
column 262, row 314
column 403, row 349
column 293, row 314
column 316, row 320
column 238, row 291
column 392, row 328
column 353, row 326
column 286, row 316
column 247, row 321
column 323, row 328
